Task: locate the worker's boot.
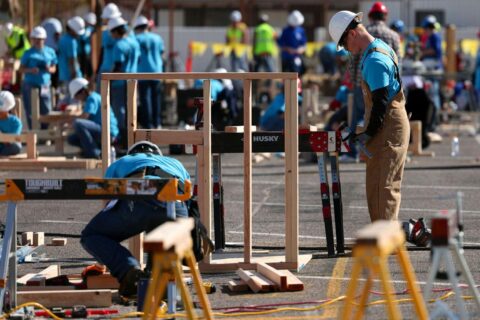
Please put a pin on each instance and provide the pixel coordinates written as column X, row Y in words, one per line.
column 417, row 232
column 129, row 283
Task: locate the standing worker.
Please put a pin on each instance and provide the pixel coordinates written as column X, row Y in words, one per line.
column 122, row 219
column 54, row 30
column 378, row 28
column 69, row 67
column 292, row 43
column 110, row 11
column 151, row 49
column 264, row 45
column 237, row 35
column 125, row 55
column 85, row 45
column 17, row 40
column 38, row 64
column 387, row 128
column 88, row 126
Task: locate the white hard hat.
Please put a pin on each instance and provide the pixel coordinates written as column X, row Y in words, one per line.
column 77, row 25
column 53, row 23
column 38, row 33
column 7, row 101
column 116, row 22
column 339, row 23
column 144, row 146
column 76, row 85
column 236, row 16
column 140, row 21
column 9, row 28
column 90, row 18
column 111, row 11
column 295, row 19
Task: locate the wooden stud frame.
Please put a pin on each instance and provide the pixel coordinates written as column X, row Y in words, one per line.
column 204, row 157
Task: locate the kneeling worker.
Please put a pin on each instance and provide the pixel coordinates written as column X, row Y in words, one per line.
column 9, row 124
column 122, row 219
column 386, row 122
column 88, row 126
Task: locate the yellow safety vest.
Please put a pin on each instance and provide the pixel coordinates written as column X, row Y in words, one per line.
column 235, row 34
column 264, row 39
column 17, row 42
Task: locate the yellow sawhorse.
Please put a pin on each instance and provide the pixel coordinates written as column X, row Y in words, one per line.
column 374, row 244
column 170, row 243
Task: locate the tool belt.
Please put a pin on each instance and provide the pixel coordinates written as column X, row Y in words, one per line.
column 158, row 172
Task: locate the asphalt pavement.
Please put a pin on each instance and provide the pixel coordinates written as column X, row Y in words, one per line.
column 430, row 184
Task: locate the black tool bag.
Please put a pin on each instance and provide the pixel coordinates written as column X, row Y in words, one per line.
column 202, row 244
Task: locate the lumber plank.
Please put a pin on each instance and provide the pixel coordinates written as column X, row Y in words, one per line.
column 67, row 298
column 255, row 281
column 44, row 288
column 247, row 171
column 58, row 242
column 293, row 283
column 103, row 281
column 273, row 275
column 39, row 278
column 168, row 235
column 237, row 286
column 200, row 75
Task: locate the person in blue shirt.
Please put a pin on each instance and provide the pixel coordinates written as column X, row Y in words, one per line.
column 54, row 30
column 9, row 124
column 273, row 119
column 88, row 126
column 433, row 61
column 38, row 64
column 68, row 64
column 151, row 48
column 125, row 56
column 327, row 56
column 387, row 129
column 122, row 219
column 84, row 45
column 293, row 43
column 110, row 11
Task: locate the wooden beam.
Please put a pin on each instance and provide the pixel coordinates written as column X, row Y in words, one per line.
column 103, row 281
column 30, row 18
column 247, row 170
column 168, row 235
column 291, row 171
column 256, row 282
column 237, row 286
column 105, row 89
column 273, row 275
column 166, row 137
column 206, row 184
column 67, row 298
column 238, row 129
column 201, row 75
column 293, row 283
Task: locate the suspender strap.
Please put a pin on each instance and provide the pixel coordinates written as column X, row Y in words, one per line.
column 392, row 56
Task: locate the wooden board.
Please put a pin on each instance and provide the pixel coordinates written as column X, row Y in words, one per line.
column 38, row 279
column 103, row 281
column 255, row 281
column 293, row 283
column 239, row 129
column 237, row 286
column 67, row 298
column 45, row 162
column 273, row 275
column 200, row 75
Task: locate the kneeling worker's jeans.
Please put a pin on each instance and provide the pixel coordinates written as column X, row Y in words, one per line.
column 103, row 235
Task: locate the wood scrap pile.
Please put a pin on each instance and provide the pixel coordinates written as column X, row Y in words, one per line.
column 265, row 279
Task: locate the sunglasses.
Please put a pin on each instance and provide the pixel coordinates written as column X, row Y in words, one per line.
column 343, row 38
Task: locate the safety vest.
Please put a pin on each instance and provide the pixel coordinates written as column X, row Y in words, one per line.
column 17, row 42
column 235, row 34
column 264, row 39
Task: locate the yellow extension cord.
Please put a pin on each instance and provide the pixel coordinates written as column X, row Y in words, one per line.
column 238, row 314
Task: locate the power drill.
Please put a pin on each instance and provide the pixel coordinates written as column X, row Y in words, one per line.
column 209, row 287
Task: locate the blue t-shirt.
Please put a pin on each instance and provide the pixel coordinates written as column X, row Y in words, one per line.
column 11, row 125
column 272, row 119
column 108, row 42
column 293, row 37
column 151, row 49
column 378, row 69
column 126, row 52
column 84, row 45
column 129, row 164
column 93, row 106
column 67, row 49
column 41, row 59
column 434, row 42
